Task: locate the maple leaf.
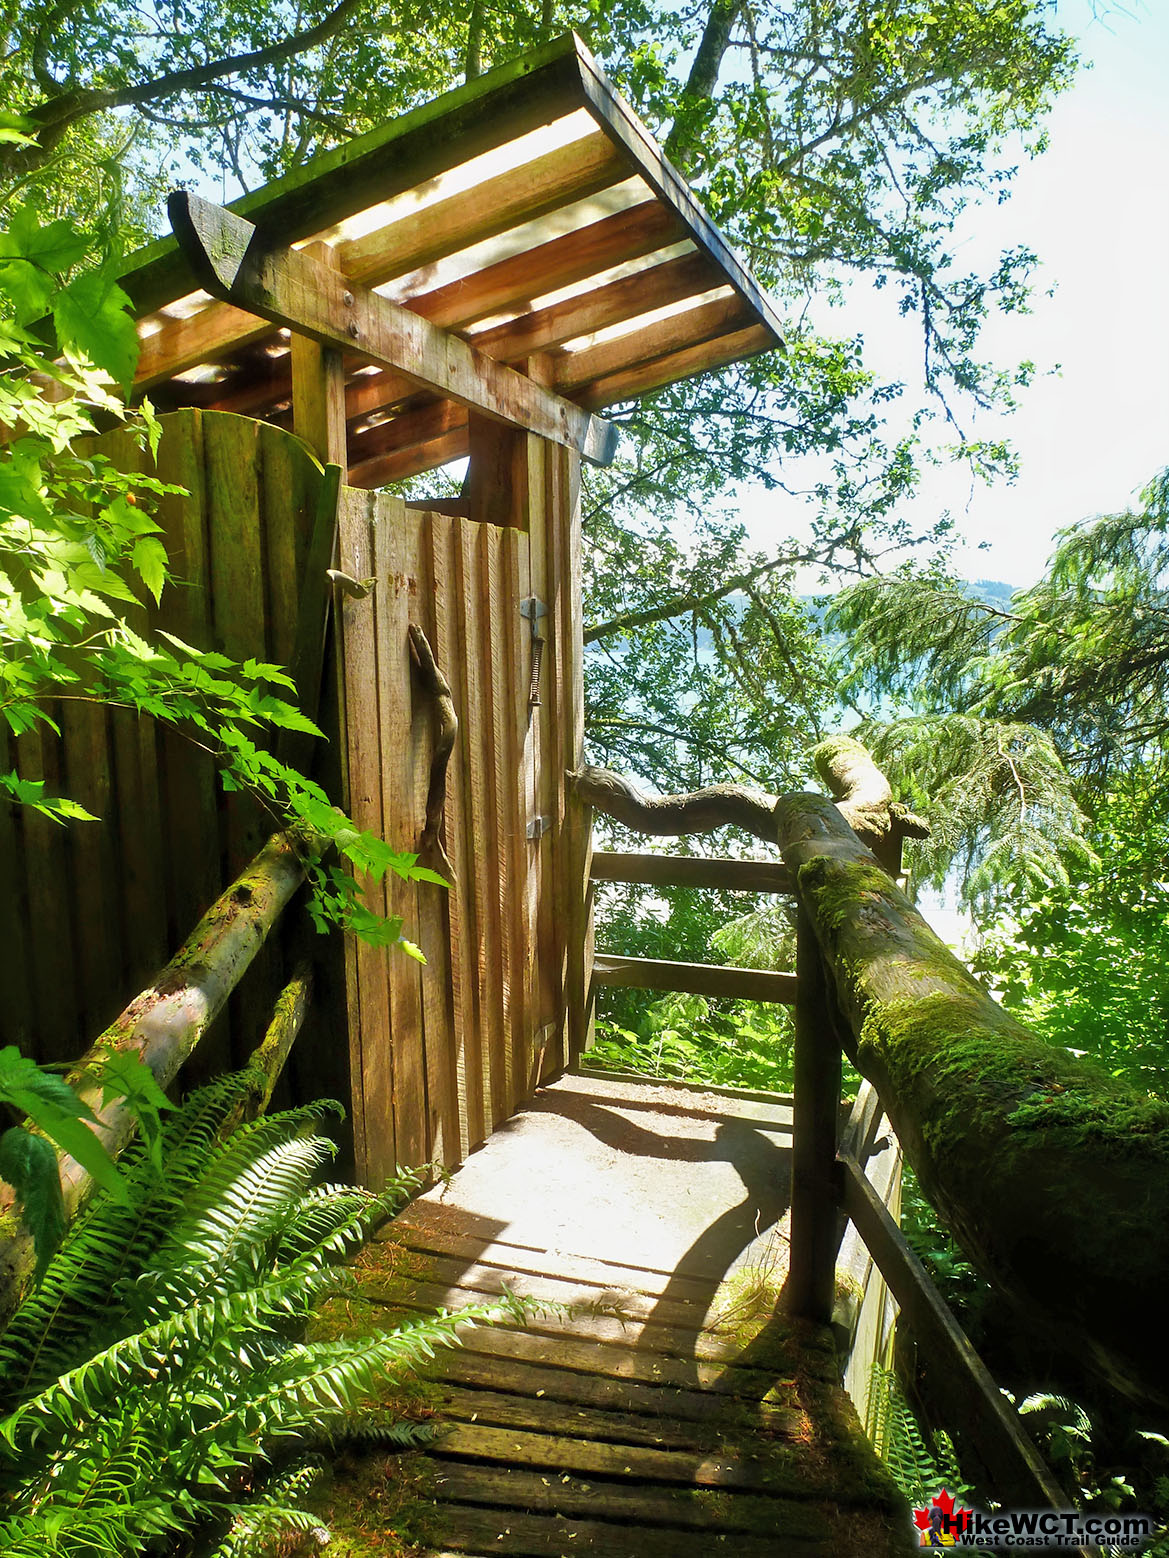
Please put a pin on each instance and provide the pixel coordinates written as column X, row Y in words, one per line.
column 921, row 1517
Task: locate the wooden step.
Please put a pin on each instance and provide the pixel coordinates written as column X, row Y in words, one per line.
column 517, row 1534
column 509, row 1488
column 661, row 1430
column 623, row 1400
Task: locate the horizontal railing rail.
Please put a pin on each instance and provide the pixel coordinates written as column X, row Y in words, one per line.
column 719, row 871
column 746, row 984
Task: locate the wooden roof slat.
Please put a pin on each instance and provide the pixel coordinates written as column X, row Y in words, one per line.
column 629, row 235
column 561, row 262
column 416, row 424
column 182, row 344
column 573, row 371
column 412, row 240
column 522, row 95
column 421, row 236
column 684, row 364
column 654, row 287
column 410, row 462
column 530, row 333
column 292, row 288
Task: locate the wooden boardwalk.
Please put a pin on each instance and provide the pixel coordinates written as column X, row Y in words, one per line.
column 672, row 1405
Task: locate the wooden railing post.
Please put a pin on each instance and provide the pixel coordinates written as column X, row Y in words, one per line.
column 811, row 1279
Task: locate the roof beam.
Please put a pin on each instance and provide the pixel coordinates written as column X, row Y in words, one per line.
column 629, row 383
column 411, row 239
column 290, row 288
column 420, row 235
column 614, row 303
column 630, row 235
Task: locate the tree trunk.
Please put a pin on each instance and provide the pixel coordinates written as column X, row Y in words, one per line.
column 1053, row 1176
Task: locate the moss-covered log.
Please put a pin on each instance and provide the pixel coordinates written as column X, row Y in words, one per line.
column 165, row 1023
column 1054, row 1176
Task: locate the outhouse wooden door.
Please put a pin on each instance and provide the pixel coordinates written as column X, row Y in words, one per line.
column 443, row 1051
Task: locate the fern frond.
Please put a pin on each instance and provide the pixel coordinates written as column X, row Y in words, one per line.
column 274, row 1512
column 330, row 1221
column 311, row 1388
column 257, row 1530
column 1060, row 1409
column 918, row 1470
column 216, row 1245
column 78, row 1307
column 397, row 1436
column 165, row 1349
column 91, row 1531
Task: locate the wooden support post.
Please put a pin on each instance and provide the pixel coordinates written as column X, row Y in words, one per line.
column 318, row 386
column 814, row 1235
column 496, row 484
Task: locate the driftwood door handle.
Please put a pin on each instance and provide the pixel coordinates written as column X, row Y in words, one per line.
column 430, row 846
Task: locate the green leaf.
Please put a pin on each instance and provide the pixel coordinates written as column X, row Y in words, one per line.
column 425, row 874
column 149, row 557
column 20, row 1075
column 55, row 247
column 91, row 314
column 124, row 1074
column 29, row 1164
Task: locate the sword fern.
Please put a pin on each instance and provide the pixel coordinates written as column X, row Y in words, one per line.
column 161, row 1365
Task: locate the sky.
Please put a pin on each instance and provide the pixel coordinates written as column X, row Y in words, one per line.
column 1095, row 209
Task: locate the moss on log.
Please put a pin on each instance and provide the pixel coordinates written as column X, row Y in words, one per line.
column 1053, row 1175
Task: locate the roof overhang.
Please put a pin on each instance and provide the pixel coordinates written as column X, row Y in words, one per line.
column 529, row 213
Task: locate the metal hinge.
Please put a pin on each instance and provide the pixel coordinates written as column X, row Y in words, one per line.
column 538, row 827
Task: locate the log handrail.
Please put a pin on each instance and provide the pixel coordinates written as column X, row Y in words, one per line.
column 167, row 1020
column 864, row 957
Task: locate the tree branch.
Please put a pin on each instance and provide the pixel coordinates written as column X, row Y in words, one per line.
column 716, row 807
column 703, row 77
column 55, row 114
column 860, row 790
column 679, row 605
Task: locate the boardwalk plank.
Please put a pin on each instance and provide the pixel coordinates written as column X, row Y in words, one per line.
column 511, row 1489
column 542, row 1412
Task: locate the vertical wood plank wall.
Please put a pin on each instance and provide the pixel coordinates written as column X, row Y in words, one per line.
column 439, row 1054
column 91, row 911
column 442, row 1053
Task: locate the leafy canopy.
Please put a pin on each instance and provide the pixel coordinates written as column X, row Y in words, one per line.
column 836, row 140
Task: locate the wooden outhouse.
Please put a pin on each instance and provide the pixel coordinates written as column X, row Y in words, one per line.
column 477, row 280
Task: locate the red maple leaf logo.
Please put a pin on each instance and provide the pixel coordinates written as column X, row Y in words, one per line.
column 921, row 1517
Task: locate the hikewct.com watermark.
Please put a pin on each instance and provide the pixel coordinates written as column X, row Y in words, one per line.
column 942, row 1524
